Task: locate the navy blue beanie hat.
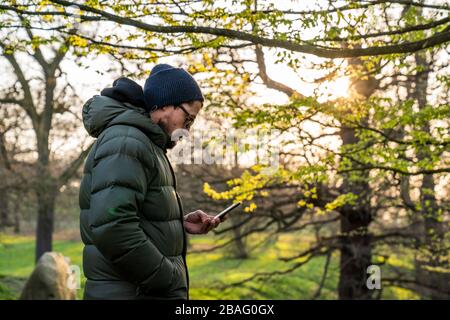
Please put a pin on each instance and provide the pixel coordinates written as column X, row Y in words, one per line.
column 167, row 85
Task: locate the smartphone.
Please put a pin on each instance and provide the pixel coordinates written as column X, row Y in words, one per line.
column 224, row 212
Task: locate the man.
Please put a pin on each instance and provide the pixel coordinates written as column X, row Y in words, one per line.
column 131, row 219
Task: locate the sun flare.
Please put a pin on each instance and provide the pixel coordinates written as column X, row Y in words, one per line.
column 338, row 88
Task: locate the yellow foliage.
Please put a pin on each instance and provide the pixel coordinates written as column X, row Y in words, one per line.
column 78, row 42
column 250, row 208
column 301, row 203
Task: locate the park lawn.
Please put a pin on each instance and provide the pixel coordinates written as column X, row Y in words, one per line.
column 208, row 271
column 17, row 261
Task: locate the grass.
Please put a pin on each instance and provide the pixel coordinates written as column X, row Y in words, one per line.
column 208, row 271
column 17, row 261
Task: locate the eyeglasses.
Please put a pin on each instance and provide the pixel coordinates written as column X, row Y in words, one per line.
column 189, row 118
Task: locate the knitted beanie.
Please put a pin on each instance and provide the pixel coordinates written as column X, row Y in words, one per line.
column 167, row 85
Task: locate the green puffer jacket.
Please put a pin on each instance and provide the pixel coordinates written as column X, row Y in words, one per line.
column 131, row 218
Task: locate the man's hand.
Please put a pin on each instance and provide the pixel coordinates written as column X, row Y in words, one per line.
column 199, row 222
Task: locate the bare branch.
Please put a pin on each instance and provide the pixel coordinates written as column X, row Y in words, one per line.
column 73, row 166
column 326, row 52
column 272, row 84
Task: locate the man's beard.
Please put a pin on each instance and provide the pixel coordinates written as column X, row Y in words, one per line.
column 169, row 144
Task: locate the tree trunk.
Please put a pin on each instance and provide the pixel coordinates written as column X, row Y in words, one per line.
column 5, row 220
column 46, row 196
column 16, row 208
column 356, row 247
column 432, row 253
column 432, row 249
column 240, row 249
column 356, row 255
column 5, row 167
column 45, row 184
column 16, row 222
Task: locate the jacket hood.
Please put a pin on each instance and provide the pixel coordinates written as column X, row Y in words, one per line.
column 126, row 90
column 101, row 112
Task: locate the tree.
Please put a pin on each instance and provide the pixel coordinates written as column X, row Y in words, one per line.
column 367, row 163
column 42, row 98
column 11, row 122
